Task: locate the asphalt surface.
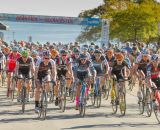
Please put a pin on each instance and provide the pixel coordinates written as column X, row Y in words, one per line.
column 11, row 117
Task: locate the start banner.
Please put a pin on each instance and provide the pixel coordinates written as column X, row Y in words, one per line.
column 50, row 19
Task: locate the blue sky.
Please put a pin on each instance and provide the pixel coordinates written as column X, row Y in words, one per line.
column 48, row 7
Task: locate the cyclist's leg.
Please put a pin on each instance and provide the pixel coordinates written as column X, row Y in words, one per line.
column 78, row 94
column 37, row 95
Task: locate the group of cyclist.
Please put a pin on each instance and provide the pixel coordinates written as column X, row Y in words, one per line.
column 76, row 63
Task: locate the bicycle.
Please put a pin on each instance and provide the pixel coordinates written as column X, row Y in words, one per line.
column 118, row 94
column 83, row 98
column 62, row 93
column 72, row 93
column 156, row 108
column 145, row 98
column 96, row 95
column 43, row 101
column 23, row 92
column 106, row 88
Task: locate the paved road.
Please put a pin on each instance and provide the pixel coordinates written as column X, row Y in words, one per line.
column 11, row 118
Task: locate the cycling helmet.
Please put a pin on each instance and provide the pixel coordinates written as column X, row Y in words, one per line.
column 24, row 53
column 84, row 48
column 54, row 52
column 76, row 50
column 119, row 57
column 124, row 51
column 145, row 52
column 63, row 51
column 15, row 48
column 46, row 53
column 91, row 49
column 34, row 52
column 154, row 57
column 82, row 56
column 97, row 51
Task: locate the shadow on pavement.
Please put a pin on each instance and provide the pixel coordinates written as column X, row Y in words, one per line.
column 122, row 124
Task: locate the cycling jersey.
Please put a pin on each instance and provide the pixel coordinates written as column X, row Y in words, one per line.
column 12, row 61
column 142, row 65
column 24, row 67
column 110, row 61
column 116, row 69
column 99, row 66
column 44, row 70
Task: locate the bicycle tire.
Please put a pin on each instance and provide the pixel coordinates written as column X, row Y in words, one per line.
column 148, row 103
column 23, row 96
column 82, row 106
column 141, row 101
column 98, row 99
column 157, row 112
column 43, row 106
column 122, row 103
column 114, row 101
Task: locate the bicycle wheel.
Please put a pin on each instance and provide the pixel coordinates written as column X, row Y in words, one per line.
column 63, row 99
column 3, row 78
column 122, row 103
column 23, row 96
column 43, row 105
column 114, row 101
column 148, row 103
column 141, row 100
column 108, row 87
column 72, row 94
column 98, row 99
column 82, row 106
column 157, row 111
column 93, row 97
column 13, row 88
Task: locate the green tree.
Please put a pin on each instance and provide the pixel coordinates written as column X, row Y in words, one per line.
column 131, row 20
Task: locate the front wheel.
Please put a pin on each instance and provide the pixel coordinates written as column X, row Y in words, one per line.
column 122, row 103
column 43, row 106
column 23, row 98
column 148, row 104
column 82, row 106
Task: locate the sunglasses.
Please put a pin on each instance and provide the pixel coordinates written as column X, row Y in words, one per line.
column 24, row 57
column 64, row 55
column 46, row 58
column 14, row 51
column 83, row 59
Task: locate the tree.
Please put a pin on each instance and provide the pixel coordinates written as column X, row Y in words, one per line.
column 130, row 20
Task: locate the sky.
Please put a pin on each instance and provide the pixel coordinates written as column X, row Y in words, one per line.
column 48, row 7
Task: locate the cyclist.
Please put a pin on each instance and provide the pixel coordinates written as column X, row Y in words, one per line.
column 46, row 69
column 84, row 70
column 109, row 54
column 2, row 62
column 10, row 66
column 24, row 69
column 101, row 66
column 153, row 71
column 35, row 57
column 64, row 67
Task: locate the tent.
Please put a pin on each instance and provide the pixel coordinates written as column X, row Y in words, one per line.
column 3, row 26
